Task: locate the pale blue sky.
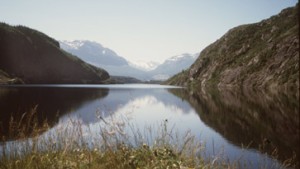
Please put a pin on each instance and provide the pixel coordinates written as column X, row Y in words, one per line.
column 148, row 30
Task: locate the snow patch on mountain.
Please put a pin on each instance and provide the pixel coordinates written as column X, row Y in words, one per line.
column 173, row 65
column 142, row 65
column 76, row 44
column 183, row 56
column 95, row 54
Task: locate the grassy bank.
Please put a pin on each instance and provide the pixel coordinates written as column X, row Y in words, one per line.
column 72, row 146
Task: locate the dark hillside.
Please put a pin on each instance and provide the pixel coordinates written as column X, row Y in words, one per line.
column 36, row 58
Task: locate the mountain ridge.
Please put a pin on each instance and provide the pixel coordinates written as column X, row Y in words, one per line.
column 94, row 51
column 35, row 58
column 95, row 57
column 259, row 55
column 173, row 65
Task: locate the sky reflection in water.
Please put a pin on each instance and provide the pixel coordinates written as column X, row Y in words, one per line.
column 144, row 106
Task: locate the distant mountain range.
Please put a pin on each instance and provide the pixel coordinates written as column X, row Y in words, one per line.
column 173, row 66
column 97, row 55
column 31, row 57
column 94, row 53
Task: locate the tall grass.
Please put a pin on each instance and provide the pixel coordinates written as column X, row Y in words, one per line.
column 72, row 145
column 118, row 144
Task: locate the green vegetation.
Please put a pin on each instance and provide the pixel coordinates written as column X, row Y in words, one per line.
column 72, row 147
column 262, row 55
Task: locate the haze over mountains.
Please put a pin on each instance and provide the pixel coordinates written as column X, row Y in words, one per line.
column 97, row 55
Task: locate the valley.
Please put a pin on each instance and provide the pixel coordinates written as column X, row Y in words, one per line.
column 79, row 104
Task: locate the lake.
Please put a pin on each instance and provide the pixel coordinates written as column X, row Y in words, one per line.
column 231, row 125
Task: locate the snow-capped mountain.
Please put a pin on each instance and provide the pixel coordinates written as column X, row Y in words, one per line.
column 173, row 66
column 182, row 57
column 97, row 55
column 93, row 53
column 71, row 44
column 146, row 66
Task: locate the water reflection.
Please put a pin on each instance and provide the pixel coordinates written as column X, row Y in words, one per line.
column 51, row 102
column 222, row 120
column 133, row 101
column 257, row 119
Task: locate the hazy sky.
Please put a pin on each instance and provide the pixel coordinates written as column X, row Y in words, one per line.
column 148, row 30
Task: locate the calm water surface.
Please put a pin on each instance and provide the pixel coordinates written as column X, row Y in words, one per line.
column 225, row 122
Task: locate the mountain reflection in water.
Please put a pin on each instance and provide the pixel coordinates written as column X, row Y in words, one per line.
column 51, row 102
column 256, row 119
column 224, row 121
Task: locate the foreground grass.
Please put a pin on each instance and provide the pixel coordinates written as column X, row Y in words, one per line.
column 140, row 157
column 71, row 147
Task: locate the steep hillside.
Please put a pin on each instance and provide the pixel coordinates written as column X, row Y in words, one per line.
column 260, row 55
column 33, row 57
